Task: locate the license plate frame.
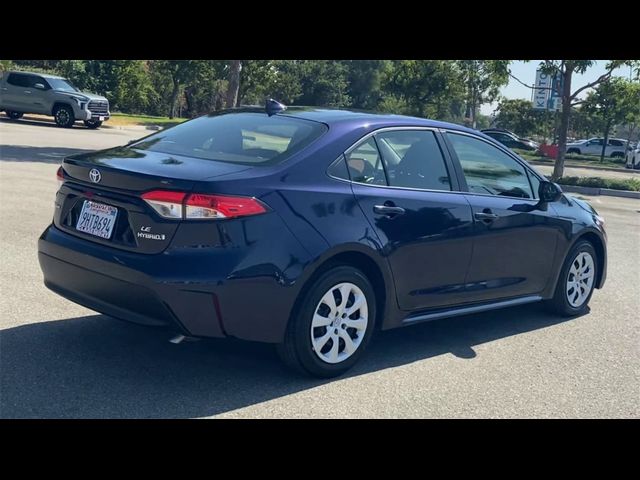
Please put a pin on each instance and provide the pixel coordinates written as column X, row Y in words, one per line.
column 97, row 219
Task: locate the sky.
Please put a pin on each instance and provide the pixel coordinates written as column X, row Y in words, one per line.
column 526, row 72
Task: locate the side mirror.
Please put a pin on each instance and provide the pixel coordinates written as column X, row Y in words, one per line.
column 549, row 192
column 39, row 86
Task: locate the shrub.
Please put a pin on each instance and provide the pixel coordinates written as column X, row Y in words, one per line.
column 632, row 184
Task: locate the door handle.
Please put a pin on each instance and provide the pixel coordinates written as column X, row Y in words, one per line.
column 388, row 210
column 485, row 216
column 5, row 88
column 27, row 91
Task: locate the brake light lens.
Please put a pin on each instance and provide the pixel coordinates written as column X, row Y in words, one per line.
column 166, row 204
column 200, row 206
column 60, row 176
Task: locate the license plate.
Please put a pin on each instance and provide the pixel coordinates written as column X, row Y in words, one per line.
column 101, row 119
column 97, row 219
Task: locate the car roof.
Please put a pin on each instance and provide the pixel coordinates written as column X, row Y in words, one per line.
column 43, row 75
column 335, row 117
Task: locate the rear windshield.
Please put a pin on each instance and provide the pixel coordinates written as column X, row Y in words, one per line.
column 244, row 138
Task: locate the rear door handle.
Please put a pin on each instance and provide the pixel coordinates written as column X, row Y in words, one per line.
column 485, row 216
column 27, row 91
column 388, row 210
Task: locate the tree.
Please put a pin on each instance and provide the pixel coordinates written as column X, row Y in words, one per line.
column 234, row 82
column 5, row 65
column 257, row 81
column 565, row 69
column 425, row 88
column 482, row 79
column 179, row 73
column 615, row 101
column 583, row 124
column 366, row 81
column 322, row 82
column 519, row 116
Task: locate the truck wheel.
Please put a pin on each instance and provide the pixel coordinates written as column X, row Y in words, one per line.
column 13, row 115
column 92, row 123
column 63, row 116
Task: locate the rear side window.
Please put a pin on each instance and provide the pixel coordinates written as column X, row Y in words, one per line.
column 615, row 143
column 365, row 164
column 488, row 170
column 414, row 160
column 19, row 80
column 245, row 138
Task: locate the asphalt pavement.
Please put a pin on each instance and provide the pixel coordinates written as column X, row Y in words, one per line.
column 60, row 360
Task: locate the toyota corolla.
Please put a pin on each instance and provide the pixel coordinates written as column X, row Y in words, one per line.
column 312, row 229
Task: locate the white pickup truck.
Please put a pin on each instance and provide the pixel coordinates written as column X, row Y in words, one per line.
column 25, row 92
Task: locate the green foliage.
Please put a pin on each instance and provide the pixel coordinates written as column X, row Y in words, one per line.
column 5, row 65
column 482, row 80
column 632, row 184
column 520, row 117
column 426, row 88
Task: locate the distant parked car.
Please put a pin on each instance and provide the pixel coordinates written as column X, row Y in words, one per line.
column 24, row 92
column 616, row 147
column 633, row 158
column 510, row 139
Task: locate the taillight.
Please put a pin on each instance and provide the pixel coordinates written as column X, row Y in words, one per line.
column 201, row 206
column 166, row 204
column 60, row 176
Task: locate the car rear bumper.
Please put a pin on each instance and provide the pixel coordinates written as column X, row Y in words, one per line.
column 119, row 291
column 179, row 290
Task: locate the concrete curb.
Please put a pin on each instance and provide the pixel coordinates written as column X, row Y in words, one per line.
column 133, row 127
column 600, row 191
column 608, row 169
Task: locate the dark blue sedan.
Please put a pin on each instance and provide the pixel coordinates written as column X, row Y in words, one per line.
column 312, row 228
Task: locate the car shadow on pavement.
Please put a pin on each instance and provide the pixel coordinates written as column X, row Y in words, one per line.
column 41, row 123
column 24, row 153
column 98, row 367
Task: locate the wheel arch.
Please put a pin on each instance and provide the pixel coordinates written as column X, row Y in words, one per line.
column 598, row 245
column 362, row 258
column 60, row 103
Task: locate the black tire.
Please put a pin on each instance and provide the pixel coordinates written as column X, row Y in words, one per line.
column 92, row 123
column 617, row 155
column 297, row 352
column 63, row 115
column 572, row 151
column 560, row 303
column 14, row 115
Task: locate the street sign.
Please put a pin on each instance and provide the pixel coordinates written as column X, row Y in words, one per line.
column 541, row 90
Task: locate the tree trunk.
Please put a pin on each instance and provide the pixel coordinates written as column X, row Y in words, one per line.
column 558, row 169
column 234, row 83
column 174, row 98
column 606, row 140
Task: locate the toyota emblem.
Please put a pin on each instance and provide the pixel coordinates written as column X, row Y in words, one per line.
column 94, row 175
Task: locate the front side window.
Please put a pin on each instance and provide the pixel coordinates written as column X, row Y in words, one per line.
column 414, row 160
column 244, row 137
column 62, row 84
column 488, row 170
column 365, row 164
